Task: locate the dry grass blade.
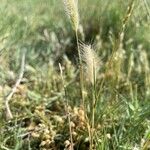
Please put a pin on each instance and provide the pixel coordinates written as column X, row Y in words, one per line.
column 8, row 98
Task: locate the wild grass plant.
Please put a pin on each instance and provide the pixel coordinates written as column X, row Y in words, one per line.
column 85, row 84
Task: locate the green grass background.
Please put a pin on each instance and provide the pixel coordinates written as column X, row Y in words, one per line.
column 42, row 28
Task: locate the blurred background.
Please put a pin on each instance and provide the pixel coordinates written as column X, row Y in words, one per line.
column 42, row 29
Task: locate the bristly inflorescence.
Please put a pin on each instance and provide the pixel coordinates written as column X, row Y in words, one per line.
column 91, row 61
column 71, row 7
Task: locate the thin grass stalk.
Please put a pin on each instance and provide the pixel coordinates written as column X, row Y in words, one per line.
column 130, row 67
column 93, row 106
column 118, row 44
column 71, row 7
column 147, row 8
column 10, row 95
column 116, row 59
column 91, row 65
column 80, row 68
column 67, row 106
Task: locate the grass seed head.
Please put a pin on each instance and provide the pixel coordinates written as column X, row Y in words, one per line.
column 71, row 7
column 91, row 60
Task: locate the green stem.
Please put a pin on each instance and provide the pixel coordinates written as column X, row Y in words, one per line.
column 93, row 108
column 80, row 68
column 67, row 106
